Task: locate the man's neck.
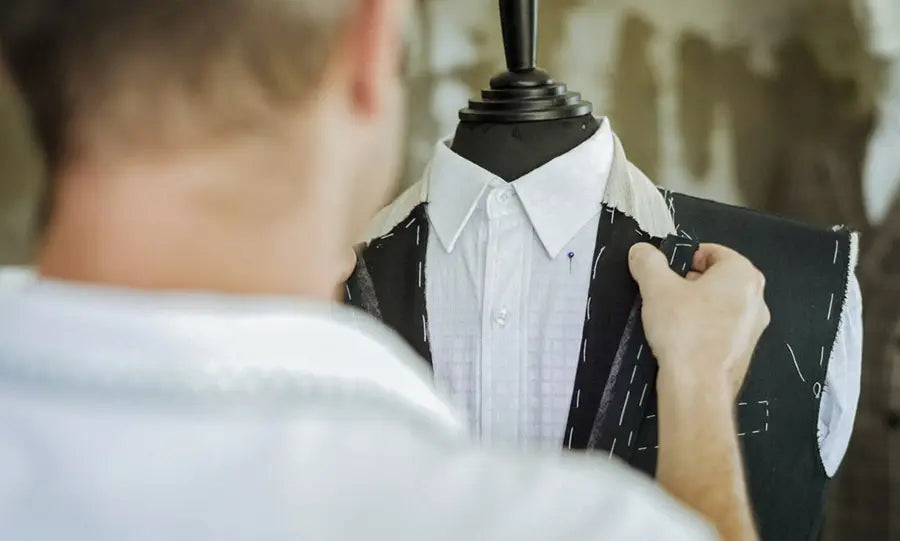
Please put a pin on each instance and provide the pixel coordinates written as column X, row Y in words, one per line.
column 194, row 225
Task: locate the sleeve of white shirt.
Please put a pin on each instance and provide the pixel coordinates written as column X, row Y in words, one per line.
column 840, row 396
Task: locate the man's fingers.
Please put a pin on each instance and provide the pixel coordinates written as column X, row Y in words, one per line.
column 650, row 268
column 693, row 275
column 708, row 255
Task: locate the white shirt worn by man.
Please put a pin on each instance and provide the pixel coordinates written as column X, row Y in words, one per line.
column 127, row 415
column 505, row 323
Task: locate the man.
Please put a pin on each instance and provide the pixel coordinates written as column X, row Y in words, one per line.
column 175, row 372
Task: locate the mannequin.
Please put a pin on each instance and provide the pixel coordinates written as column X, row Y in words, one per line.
column 490, row 284
column 525, row 119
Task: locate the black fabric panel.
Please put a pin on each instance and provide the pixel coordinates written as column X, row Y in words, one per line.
column 395, row 263
column 806, row 271
column 610, row 303
column 617, row 430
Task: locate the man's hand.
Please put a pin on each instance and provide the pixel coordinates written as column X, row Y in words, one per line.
column 703, row 328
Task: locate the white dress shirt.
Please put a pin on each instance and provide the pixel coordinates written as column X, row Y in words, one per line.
column 507, row 276
column 127, row 415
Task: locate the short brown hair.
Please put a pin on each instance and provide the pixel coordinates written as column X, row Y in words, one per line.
column 121, row 63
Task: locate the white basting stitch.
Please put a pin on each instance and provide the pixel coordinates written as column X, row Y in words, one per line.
column 830, row 306
column 418, row 230
column 624, row 406
column 683, row 267
column 686, row 235
column 640, row 350
column 387, row 236
column 766, row 402
column 420, row 274
column 742, row 433
column 650, row 416
column 821, row 355
column 642, row 448
column 424, row 329
column 589, row 309
column 613, row 448
column 599, row 255
column 629, row 437
column 578, row 398
column 641, row 403
column 767, row 426
column 349, row 296
column 742, row 403
column 836, row 244
column 674, row 251
column 584, row 351
column 756, row 432
column 797, row 366
column 633, row 372
column 411, row 221
column 571, row 430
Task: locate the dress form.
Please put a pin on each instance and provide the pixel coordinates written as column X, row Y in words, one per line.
column 525, row 119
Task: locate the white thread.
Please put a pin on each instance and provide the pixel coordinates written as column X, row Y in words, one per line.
column 797, row 366
column 420, row 274
column 349, row 296
column 418, row 230
column 821, row 355
column 633, row 372
column 624, row 405
column 391, row 234
column 599, row 255
column 756, row 431
column 742, row 403
column 817, row 389
column 830, row 305
column 640, row 350
column 683, row 267
column 642, row 448
column 589, row 309
column 641, row 403
column 686, row 235
column 613, row 448
column 766, row 402
column 578, row 398
column 651, row 416
column 767, row 413
column 424, row 329
column 612, row 215
column 767, row 426
column 836, row 244
column 411, row 221
column 571, row 430
column 584, row 351
column 742, row 433
column 674, row 251
column 629, row 437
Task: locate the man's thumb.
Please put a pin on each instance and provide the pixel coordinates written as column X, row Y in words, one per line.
column 649, row 268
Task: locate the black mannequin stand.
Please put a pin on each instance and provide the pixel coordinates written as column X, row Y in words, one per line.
column 525, row 119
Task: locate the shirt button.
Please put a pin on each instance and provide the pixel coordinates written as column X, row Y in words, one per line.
column 503, row 197
column 501, row 317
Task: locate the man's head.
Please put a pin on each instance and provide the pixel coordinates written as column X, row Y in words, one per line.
column 266, row 110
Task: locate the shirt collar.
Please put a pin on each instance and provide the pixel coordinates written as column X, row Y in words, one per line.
column 559, row 197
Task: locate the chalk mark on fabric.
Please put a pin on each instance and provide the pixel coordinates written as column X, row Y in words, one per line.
column 797, row 366
column 599, row 255
column 624, row 406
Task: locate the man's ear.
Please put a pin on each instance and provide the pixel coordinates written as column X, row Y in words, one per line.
column 376, row 32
